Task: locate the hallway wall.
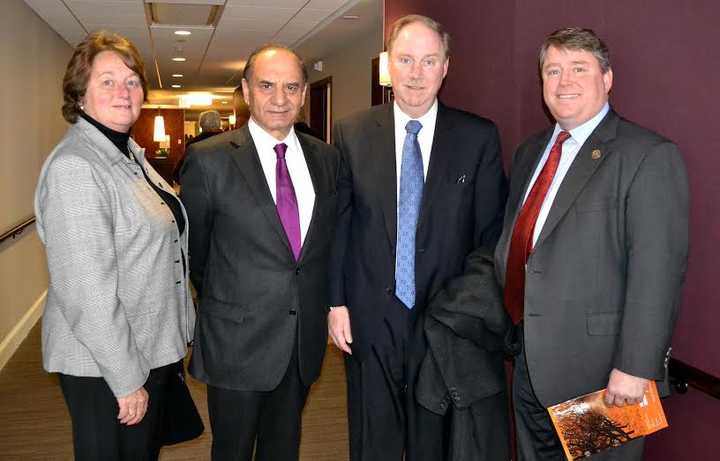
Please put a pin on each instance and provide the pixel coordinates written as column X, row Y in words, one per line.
column 34, row 60
column 350, row 69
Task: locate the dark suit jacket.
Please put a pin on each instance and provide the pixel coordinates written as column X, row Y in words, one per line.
column 603, row 282
column 254, row 296
column 463, row 366
column 461, row 212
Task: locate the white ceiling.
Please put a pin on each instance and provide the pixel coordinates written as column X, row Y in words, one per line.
column 215, row 53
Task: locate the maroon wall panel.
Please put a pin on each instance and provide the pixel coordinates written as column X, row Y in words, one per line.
column 666, row 65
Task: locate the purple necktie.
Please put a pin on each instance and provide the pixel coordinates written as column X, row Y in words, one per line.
column 286, row 200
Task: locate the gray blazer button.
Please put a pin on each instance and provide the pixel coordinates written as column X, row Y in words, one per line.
column 292, row 312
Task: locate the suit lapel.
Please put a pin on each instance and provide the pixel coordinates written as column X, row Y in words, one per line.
column 382, row 147
column 581, row 170
column 246, row 158
column 524, row 164
column 315, row 168
column 442, row 147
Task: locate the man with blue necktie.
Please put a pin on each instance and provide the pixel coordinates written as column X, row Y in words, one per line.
column 261, row 203
column 421, row 193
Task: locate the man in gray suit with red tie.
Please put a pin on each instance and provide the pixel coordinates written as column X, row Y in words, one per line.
column 261, row 203
column 593, row 251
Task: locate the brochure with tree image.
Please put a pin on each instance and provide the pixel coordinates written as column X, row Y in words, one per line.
column 587, row 426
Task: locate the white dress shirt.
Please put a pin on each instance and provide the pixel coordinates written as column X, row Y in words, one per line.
column 570, row 149
column 299, row 173
column 425, row 138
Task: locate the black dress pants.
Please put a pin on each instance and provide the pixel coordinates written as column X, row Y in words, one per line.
column 386, row 422
column 98, row 434
column 535, row 433
column 269, row 421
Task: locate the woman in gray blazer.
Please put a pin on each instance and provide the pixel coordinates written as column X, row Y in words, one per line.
column 119, row 314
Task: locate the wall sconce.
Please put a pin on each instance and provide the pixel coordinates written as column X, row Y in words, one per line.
column 384, row 73
column 159, row 129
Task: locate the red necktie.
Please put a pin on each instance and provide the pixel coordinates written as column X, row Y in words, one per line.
column 521, row 242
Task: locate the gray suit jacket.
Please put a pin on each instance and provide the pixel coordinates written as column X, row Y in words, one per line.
column 603, row 282
column 118, row 303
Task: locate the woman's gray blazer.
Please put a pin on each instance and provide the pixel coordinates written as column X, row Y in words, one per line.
column 118, row 304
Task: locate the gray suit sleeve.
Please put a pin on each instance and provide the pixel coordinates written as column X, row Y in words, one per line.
column 657, row 247
column 78, row 232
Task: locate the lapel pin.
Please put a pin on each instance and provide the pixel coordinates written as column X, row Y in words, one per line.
column 461, row 179
column 596, row 154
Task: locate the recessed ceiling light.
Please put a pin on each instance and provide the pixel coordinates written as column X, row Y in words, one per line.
column 178, row 75
column 223, row 102
column 351, row 16
column 176, row 86
column 183, row 32
column 179, row 59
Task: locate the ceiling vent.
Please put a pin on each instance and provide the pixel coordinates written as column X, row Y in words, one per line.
column 181, row 14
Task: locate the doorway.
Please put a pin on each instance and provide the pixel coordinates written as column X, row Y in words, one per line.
column 321, row 108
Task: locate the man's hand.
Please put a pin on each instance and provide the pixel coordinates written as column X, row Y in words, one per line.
column 339, row 328
column 133, row 407
column 624, row 389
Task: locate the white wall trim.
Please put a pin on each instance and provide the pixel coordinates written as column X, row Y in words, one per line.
column 17, row 335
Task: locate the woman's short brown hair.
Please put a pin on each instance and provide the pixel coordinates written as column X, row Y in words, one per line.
column 77, row 73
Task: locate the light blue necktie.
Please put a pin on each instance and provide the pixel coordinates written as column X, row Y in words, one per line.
column 411, row 188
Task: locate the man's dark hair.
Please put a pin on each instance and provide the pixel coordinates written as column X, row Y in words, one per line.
column 576, row 38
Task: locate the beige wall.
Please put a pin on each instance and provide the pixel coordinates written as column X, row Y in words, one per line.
column 34, row 60
column 350, row 69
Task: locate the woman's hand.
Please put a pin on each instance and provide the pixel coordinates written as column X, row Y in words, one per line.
column 133, row 407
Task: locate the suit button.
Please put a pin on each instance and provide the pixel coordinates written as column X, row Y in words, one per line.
column 297, row 271
column 388, row 290
column 421, row 250
column 292, row 312
column 443, row 405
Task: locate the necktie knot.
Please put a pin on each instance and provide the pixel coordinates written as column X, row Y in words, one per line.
column 280, row 150
column 562, row 137
column 413, row 127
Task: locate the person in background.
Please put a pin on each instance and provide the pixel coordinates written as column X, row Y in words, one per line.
column 594, row 249
column 421, row 193
column 261, row 201
column 118, row 315
column 210, row 125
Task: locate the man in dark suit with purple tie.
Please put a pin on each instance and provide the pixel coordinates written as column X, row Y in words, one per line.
column 261, row 203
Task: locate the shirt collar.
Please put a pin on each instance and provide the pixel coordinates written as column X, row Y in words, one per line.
column 264, row 140
column 426, row 120
column 580, row 133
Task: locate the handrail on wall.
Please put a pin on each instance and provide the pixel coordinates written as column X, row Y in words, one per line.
column 683, row 375
column 17, row 230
